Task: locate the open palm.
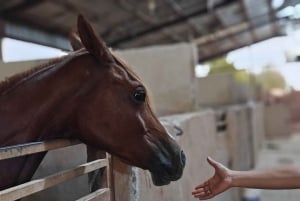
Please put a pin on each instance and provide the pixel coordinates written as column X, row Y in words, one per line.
column 220, row 182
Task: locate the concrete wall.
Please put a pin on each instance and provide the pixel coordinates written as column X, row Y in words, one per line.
column 215, row 90
column 168, row 71
column 9, row 69
column 277, row 118
column 219, row 90
column 243, row 92
column 257, row 116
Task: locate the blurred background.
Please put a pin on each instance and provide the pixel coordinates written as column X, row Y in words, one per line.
column 226, row 71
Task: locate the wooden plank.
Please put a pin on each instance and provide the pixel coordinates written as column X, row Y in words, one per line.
column 35, row 147
column 97, row 177
column 37, row 185
column 99, row 195
column 122, row 174
column 110, row 177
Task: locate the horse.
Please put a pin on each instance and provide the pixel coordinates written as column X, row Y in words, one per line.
column 91, row 95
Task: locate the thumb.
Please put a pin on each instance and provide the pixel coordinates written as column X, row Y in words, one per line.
column 213, row 163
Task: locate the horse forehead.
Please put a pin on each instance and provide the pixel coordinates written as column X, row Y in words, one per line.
column 123, row 73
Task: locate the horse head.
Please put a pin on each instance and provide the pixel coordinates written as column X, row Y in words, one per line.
column 116, row 116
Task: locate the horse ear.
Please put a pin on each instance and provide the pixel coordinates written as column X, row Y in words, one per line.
column 92, row 42
column 75, row 41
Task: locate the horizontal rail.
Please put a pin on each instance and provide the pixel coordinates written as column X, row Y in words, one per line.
column 35, row 147
column 104, row 193
column 20, row 191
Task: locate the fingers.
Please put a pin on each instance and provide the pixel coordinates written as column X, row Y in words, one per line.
column 201, row 185
column 205, row 186
column 203, row 191
column 205, row 197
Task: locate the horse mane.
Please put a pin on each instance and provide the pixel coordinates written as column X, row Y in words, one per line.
column 8, row 82
column 11, row 81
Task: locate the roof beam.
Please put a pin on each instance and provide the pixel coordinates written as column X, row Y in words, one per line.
column 168, row 23
column 20, row 7
column 232, row 30
column 223, row 52
column 275, row 26
column 225, row 33
column 149, row 20
column 178, row 10
column 247, row 18
column 37, row 36
column 219, row 19
column 22, row 29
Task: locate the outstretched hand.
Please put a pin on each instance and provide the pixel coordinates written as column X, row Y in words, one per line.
column 220, row 182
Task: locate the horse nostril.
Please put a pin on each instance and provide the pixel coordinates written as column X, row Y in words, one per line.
column 182, row 158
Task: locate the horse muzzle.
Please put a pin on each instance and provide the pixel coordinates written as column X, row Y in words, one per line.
column 168, row 169
column 167, row 160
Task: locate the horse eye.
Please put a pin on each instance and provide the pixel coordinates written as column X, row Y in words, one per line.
column 139, row 94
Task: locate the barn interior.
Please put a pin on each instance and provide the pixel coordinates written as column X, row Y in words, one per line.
column 224, row 72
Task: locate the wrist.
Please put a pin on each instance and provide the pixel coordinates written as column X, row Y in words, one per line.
column 233, row 177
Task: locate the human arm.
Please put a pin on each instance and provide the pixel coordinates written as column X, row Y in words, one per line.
column 287, row 177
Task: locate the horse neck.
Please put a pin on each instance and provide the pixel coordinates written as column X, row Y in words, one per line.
column 40, row 107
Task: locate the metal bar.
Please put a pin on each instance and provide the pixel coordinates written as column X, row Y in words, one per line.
column 104, row 193
column 35, row 147
column 37, row 185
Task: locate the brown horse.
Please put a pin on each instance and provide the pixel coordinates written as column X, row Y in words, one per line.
column 91, row 95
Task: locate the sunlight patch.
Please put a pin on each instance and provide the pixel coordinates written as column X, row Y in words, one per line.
column 16, row 50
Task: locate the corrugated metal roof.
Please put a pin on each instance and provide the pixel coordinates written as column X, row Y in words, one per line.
column 217, row 26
